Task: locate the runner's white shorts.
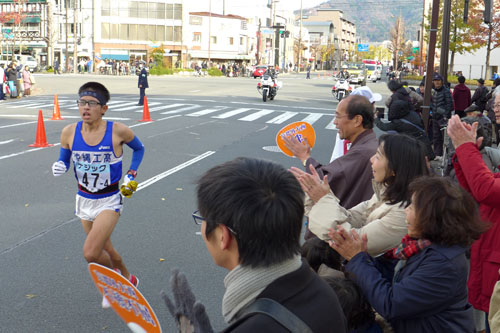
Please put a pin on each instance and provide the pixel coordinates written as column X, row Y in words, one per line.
column 89, row 209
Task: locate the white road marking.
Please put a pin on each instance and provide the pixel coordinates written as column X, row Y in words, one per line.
column 194, row 91
column 231, row 113
column 154, row 120
column 282, row 117
column 25, row 151
column 331, row 125
column 137, row 106
column 312, row 118
column 187, row 108
column 22, row 105
column 167, row 173
column 286, row 106
column 5, row 142
column 256, row 115
column 19, row 124
column 163, row 107
column 206, row 111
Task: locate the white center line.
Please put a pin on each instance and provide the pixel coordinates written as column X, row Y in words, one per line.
column 18, row 124
column 4, row 142
column 162, row 175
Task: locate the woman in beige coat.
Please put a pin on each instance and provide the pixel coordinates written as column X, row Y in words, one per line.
column 399, row 159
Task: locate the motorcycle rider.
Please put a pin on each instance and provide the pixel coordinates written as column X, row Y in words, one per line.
column 343, row 74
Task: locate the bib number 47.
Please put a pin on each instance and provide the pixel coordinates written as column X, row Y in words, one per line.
column 85, row 179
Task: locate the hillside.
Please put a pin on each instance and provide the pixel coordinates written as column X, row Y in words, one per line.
column 374, row 18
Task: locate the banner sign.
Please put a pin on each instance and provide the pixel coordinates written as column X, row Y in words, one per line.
column 125, row 299
column 300, row 130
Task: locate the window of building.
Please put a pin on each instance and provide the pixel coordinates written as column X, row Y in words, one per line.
column 177, row 34
column 133, row 10
column 213, row 39
column 143, row 9
column 152, row 32
column 170, row 34
column 115, row 28
column 177, row 11
column 170, row 11
column 197, row 37
column 124, row 31
column 105, row 30
column 142, row 32
column 242, row 40
column 231, row 40
column 243, row 25
column 132, row 32
column 195, row 20
column 105, row 8
column 160, row 12
column 160, row 32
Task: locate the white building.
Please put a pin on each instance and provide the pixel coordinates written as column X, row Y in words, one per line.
column 473, row 65
column 217, row 38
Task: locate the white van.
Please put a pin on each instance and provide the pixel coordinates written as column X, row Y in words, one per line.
column 23, row 59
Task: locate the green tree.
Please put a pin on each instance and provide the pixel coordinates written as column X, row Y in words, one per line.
column 460, row 32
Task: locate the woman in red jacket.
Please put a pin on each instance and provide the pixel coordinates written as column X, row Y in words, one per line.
column 474, row 176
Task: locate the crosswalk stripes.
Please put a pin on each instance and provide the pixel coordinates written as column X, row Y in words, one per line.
column 245, row 114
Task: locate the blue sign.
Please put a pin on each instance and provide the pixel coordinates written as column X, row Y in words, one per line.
column 363, row 47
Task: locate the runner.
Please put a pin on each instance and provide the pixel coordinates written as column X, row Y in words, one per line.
column 96, row 148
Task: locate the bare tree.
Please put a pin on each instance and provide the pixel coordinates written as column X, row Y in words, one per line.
column 397, row 39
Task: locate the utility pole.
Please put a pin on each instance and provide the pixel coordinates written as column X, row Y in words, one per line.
column 430, row 62
column 66, row 29
column 209, row 28
column 445, row 41
column 75, row 46
column 300, row 38
column 93, row 41
column 257, row 54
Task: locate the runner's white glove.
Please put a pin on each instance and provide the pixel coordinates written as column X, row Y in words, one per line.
column 58, row 168
column 129, row 186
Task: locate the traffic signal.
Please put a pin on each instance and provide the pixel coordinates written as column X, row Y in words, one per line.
column 488, row 11
column 282, row 33
column 287, row 34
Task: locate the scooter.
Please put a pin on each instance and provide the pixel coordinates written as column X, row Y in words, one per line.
column 268, row 87
column 341, row 89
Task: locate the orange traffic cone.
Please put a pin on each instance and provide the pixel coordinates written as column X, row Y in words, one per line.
column 56, row 113
column 41, row 139
column 145, row 112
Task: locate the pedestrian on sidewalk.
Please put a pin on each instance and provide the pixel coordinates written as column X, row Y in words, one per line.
column 461, row 97
column 142, row 83
column 2, row 82
column 308, row 76
column 56, row 67
column 11, row 74
column 27, row 81
column 96, row 148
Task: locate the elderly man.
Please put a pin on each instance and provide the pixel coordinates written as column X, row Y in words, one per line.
column 477, row 179
column 441, row 107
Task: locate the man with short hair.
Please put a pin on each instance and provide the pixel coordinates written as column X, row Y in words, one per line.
column 95, row 146
column 251, row 214
column 480, row 95
column 142, row 83
column 441, row 107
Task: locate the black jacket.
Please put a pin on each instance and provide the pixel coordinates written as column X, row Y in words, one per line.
column 11, row 74
column 305, row 294
column 480, row 97
column 441, row 103
column 143, row 79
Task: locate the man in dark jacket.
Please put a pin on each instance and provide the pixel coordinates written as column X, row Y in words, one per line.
column 461, row 97
column 480, row 95
column 11, row 74
column 251, row 214
column 441, row 107
column 142, row 84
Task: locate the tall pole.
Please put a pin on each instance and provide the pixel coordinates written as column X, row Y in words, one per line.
column 75, row 46
column 300, row 38
column 445, row 40
column 209, row 28
column 66, row 29
column 430, row 62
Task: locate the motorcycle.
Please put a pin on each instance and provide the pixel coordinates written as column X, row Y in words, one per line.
column 341, row 89
column 268, row 87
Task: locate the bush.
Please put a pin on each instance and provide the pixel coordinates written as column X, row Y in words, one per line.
column 214, row 71
column 50, row 69
column 160, row 70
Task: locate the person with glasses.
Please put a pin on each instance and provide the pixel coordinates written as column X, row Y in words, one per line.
column 95, row 146
column 350, row 176
column 250, row 213
column 474, row 176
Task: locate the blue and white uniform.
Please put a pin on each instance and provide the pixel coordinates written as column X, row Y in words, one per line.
column 98, row 172
column 97, row 169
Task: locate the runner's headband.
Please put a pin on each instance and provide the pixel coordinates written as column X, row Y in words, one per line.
column 99, row 97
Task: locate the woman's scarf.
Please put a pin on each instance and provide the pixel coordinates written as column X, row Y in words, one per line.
column 408, row 247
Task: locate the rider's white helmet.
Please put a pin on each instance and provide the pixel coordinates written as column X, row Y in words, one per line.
column 344, row 67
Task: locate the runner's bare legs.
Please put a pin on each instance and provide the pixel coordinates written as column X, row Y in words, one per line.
column 98, row 247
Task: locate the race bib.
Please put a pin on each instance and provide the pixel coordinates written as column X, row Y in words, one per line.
column 93, row 176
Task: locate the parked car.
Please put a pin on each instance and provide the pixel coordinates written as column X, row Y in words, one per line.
column 23, row 59
column 259, row 71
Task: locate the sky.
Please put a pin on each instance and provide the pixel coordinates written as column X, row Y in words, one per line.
column 242, row 5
